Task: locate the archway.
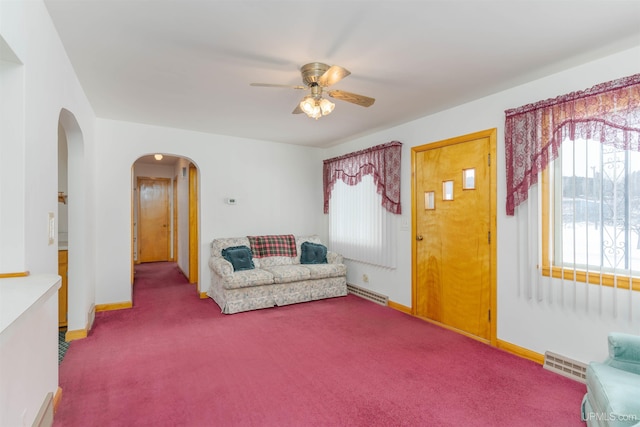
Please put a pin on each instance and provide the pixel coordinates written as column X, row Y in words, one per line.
column 179, row 175
column 79, row 235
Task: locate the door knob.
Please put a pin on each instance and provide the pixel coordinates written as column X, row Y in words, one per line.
column 419, row 237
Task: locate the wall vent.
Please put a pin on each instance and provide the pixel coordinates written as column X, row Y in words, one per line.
column 565, row 366
column 367, row 294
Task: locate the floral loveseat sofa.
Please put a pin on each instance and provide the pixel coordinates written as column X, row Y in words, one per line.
column 253, row 272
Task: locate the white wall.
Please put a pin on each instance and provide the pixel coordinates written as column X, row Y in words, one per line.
column 41, row 88
column 147, row 170
column 536, row 325
column 182, row 200
column 12, row 162
column 278, row 188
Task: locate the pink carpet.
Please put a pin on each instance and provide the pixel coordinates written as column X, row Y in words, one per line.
column 175, row 360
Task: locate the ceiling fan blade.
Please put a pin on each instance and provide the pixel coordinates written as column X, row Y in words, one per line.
column 297, row 110
column 273, row 85
column 333, row 75
column 353, row 98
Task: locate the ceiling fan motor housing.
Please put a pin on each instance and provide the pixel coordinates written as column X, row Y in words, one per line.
column 312, row 72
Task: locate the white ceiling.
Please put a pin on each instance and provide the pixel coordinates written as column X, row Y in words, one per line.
column 188, row 64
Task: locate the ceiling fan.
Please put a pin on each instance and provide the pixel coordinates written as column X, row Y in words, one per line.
column 316, row 77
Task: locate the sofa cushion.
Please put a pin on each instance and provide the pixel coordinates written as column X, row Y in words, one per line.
column 239, row 257
column 288, row 273
column 321, row 271
column 613, row 393
column 274, row 261
column 313, row 253
column 247, row 279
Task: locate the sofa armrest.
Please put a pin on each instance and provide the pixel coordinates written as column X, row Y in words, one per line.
column 624, row 352
column 334, row 258
column 220, row 266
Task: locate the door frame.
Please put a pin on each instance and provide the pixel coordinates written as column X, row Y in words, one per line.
column 174, row 227
column 491, row 134
column 193, row 225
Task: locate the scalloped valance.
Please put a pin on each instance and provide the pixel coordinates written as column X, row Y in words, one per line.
column 608, row 112
column 381, row 161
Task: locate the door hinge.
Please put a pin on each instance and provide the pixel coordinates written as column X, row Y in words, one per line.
column 489, row 159
column 489, row 237
column 489, row 315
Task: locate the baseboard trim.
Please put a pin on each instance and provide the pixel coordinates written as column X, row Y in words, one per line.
column 82, row 333
column 114, row 306
column 56, row 399
column 399, row 307
column 77, row 334
column 520, row 351
column 459, row 331
column 16, row 274
column 502, row 345
column 203, row 295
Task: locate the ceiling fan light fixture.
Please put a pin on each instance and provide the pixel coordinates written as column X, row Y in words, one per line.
column 307, row 105
column 316, row 113
column 326, row 106
column 317, row 77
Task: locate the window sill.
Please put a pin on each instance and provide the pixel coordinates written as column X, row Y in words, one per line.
column 603, row 279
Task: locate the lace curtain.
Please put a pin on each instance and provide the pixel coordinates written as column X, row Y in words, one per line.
column 381, row 161
column 608, row 112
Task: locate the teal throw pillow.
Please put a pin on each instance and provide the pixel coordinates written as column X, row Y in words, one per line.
column 239, row 257
column 313, row 253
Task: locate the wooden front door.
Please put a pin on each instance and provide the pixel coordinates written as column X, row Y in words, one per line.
column 454, row 206
column 153, row 219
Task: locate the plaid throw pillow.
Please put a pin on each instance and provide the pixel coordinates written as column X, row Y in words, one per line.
column 281, row 245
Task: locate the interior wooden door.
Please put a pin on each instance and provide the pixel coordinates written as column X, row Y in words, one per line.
column 153, row 219
column 453, row 248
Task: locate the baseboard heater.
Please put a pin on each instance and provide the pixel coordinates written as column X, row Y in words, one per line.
column 565, row 366
column 367, row 294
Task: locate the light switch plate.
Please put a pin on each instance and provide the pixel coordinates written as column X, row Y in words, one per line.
column 52, row 228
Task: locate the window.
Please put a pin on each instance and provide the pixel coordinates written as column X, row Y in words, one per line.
column 591, row 202
column 363, row 189
column 581, row 224
column 359, row 227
